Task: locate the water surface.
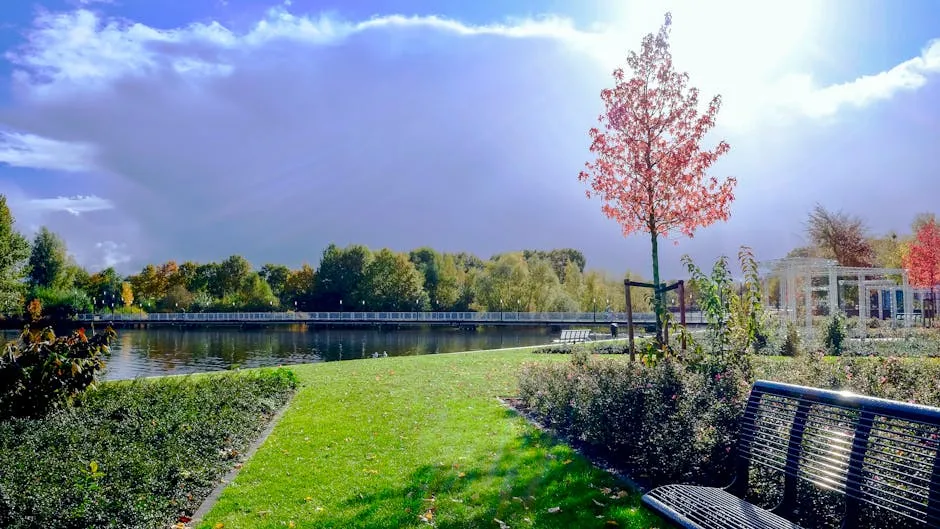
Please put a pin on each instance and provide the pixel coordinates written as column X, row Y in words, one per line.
column 177, row 350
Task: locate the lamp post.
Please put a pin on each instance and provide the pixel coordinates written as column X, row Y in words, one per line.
column 594, row 309
column 500, row 309
column 341, row 306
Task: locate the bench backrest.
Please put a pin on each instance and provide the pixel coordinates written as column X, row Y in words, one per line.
column 575, row 334
column 873, row 451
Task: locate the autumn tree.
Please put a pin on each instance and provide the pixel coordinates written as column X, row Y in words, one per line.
column 650, row 168
column 14, row 256
column 127, row 294
column 840, row 236
column 922, row 260
column 298, row 289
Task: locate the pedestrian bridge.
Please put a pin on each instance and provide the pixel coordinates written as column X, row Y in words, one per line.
column 390, row 318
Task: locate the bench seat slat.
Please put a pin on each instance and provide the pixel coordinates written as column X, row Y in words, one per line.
column 711, row 508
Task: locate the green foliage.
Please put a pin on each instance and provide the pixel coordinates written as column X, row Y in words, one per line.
column 14, row 256
column 48, row 260
column 60, row 304
column 275, row 275
column 133, row 454
column 392, row 283
column 664, row 423
column 42, row 371
column 342, row 272
column 791, row 341
column 734, row 314
column 835, row 334
column 256, row 295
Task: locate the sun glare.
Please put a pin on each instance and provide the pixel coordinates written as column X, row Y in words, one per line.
column 739, row 48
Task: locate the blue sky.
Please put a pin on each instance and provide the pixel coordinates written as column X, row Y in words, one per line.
column 145, row 131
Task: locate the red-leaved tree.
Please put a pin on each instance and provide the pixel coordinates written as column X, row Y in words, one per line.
column 650, row 168
column 922, row 260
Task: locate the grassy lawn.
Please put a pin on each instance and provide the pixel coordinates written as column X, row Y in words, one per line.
column 134, row 454
column 416, row 441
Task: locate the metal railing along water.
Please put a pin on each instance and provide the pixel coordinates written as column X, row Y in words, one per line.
column 386, row 317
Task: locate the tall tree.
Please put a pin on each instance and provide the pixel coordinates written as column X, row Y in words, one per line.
column 428, row 262
column 127, row 294
column 393, row 283
column 14, row 256
column 299, row 287
column 840, row 236
column 448, row 287
column 48, row 260
column 276, row 276
column 341, row 273
column 650, row 168
column 231, row 275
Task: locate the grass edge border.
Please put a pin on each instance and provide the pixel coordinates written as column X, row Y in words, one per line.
column 594, row 459
column 226, row 480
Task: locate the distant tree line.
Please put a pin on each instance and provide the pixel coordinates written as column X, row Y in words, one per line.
column 42, row 278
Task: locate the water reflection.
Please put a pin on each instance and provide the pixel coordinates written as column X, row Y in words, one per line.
column 169, row 350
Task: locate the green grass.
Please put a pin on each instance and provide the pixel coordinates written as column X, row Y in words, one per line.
column 134, row 454
column 414, row 441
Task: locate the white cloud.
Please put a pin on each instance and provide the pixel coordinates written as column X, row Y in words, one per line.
column 397, row 130
column 33, row 151
column 74, row 205
column 112, row 254
column 80, row 50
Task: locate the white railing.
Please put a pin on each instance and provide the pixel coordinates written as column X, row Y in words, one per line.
column 601, row 318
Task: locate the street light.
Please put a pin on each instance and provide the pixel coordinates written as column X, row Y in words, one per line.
column 341, row 305
column 500, row 309
column 594, row 309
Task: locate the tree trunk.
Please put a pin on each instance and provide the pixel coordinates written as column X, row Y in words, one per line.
column 657, row 293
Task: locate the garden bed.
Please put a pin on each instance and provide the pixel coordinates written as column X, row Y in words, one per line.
column 134, row 454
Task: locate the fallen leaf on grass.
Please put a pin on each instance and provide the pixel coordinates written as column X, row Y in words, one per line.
column 566, row 461
column 219, row 525
column 599, row 504
column 502, row 524
column 554, row 510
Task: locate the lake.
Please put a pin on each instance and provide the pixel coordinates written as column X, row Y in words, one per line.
column 176, row 350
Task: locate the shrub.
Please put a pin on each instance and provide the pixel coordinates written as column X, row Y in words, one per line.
column 791, row 341
column 134, row 454
column 664, row 422
column 59, row 304
column 42, row 371
column 835, row 335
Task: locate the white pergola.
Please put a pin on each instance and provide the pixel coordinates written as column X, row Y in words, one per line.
column 798, row 273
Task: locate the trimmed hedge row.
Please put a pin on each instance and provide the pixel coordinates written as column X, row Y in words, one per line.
column 133, row 454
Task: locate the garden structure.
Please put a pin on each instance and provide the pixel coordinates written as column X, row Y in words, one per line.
column 811, row 286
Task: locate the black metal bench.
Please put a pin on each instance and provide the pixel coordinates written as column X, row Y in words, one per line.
column 876, row 454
